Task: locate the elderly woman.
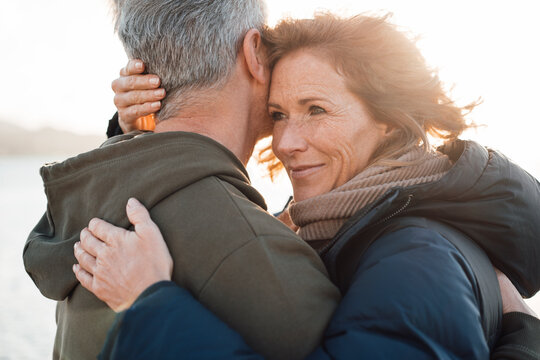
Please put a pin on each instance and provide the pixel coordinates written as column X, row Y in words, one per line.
column 394, row 220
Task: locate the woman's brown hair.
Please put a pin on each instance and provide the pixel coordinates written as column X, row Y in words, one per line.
column 385, row 69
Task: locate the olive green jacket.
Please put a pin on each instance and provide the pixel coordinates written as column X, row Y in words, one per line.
column 239, row 261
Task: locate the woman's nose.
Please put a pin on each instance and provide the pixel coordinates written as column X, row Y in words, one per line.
column 288, row 139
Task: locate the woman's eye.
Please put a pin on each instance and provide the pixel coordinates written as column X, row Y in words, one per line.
column 276, row 115
column 315, row 110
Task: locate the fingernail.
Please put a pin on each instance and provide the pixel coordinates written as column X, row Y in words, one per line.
column 156, row 105
column 76, row 245
column 138, row 65
column 154, row 81
column 159, row 92
column 131, row 202
column 75, row 267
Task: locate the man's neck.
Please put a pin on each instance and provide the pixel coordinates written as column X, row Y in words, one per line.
column 222, row 119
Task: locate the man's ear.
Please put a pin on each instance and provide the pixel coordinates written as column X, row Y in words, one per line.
column 255, row 56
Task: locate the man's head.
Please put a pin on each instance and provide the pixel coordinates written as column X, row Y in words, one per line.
column 192, row 45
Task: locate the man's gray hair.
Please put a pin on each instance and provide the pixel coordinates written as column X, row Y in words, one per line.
column 115, row 5
column 191, row 45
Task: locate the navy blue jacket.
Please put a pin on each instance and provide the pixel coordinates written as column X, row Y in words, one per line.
column 427, row 309
column 412, row 294
column 381, row 316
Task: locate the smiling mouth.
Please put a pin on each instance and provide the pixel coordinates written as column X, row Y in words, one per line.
column 304, row 171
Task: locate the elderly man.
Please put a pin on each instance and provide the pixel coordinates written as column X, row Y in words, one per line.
column 230, row 254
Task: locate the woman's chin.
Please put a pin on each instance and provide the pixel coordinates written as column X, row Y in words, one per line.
column 308, row 183
column 302, row 193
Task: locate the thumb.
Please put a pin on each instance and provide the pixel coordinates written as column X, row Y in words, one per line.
column 139, row 216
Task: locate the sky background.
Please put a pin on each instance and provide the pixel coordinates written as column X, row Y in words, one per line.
column 58, row 58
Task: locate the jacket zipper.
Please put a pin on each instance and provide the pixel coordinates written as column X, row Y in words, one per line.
column 325, row 249
column 397, row 212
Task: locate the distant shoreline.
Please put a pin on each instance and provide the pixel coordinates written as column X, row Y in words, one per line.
column 17, row 141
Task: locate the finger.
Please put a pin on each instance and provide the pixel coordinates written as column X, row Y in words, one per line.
column 135, row 82
column 86, row 261
column 134, row 66
column 130, row 114
column 86, row 279
column 91, row 244
column 137, row 97
column 139, row 216
column 106, row 232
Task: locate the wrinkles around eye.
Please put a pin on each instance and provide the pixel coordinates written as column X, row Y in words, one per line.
column 316, row 110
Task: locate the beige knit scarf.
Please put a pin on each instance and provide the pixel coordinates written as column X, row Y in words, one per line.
column 320, row 217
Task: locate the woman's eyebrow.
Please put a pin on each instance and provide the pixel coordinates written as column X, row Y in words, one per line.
column 307, row 100
column 300, row 102
column 274, row 105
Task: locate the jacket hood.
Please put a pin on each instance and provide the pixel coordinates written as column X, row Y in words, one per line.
column 485, row 196
column 98, row 183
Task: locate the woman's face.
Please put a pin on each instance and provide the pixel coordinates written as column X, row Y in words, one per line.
column 323, row 134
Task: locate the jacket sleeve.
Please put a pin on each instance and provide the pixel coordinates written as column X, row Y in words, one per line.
column 414, row 300
column 52, row 279
column 114, row 127
column 520, row 338
column 166, row 322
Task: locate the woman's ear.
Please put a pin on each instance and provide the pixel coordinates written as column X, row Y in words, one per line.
column 255, row 56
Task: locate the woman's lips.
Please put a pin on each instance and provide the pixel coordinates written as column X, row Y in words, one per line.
column 299, row 172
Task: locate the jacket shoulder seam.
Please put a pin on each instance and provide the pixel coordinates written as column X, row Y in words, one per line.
column 218, row 266
column 254, row 233
column 122, row 158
